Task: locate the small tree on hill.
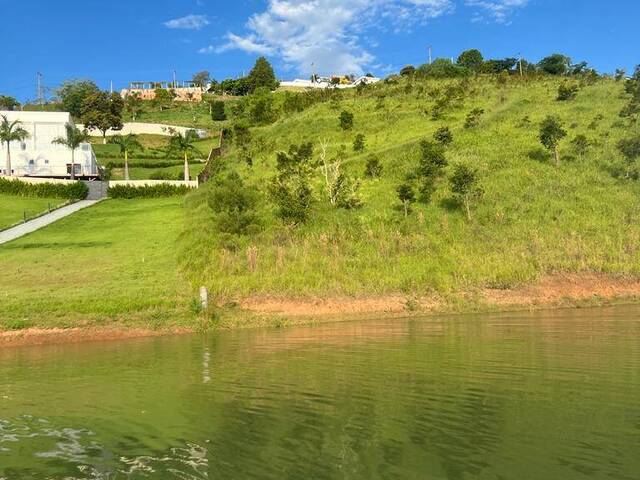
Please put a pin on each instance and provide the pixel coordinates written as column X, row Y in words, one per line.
column 290, row 189
column 567, row 92
column 359, row 143
column 234, row 205
column 471, row 59
column 262, row 76
column 183, row 144
column 430, row 168
column 127, row 144
column 551, row 133
column 620, row 74
column 217, row 111
column 443, row 136
column 163, row 98
column 103, row 111
column 8, row 103
column 133, row 105
column 473, row 118
column 346, row 120
column 408, row 71
column 73, row 93
column 373, row 168
column 201, row 79
column 74, row 137
column 407, row 197
column 465, row 186
column 630, row 148
column 580, row 144
column 556, row 64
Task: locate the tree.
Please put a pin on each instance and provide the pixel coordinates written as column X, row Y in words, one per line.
column 443, row 68
column 201, row 79
column 183, row 144
column 290, row 189
column 464, row 186
column 163, row 98
column 341, row 188
column 103, row 111
column 499, row 65
column 74, row 137
column 261, row 75
column 551, row 132
column 133, row 104
column 73, row 93
column 373, row 168
column 260, row 107
column 630, row 148
column 567, row 92
column 473, row 118
column 8, row 103
column 346, row 120
column 217, row 111
column 471, row 59
column 234, row 205
column 556, row 64
column 443, row 136
column 11, row 132
column 359, row 143
column 430, row 168
column 408, row 71
column 127, row 144
column 407, row 196
column 620, row 74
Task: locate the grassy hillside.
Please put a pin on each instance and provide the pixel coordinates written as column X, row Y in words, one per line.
column 14, row 209
column 533, row 219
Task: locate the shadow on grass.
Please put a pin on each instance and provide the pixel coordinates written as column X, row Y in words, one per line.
column 450, row 204
column 539, row 155
column 29, row 246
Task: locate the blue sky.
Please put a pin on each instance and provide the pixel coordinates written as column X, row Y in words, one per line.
column 124, row 41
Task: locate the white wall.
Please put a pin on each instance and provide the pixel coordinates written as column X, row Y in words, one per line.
column 138, row 128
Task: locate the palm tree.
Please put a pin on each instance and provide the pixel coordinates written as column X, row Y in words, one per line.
column 127, row 144
column 183, row 144
column 11, row 132
column 73, row 139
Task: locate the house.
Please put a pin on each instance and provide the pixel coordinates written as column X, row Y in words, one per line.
column 37, row 156
column 184, row 91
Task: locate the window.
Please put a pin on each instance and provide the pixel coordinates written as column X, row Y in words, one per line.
column 77, row 169
column 32, row 162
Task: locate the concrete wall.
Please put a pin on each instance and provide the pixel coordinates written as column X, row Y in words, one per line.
column 138, row 128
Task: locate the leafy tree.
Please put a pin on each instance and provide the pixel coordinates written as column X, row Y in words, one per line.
column 471, row 59
column 443, row 68
column 163, row 98
column 465, row 186
column 620, row 74
column 567, row 92
column 8, row 103
column 262, row 76
column 443, row 136
column 183, row 144
column 346, row 120
column 407, row 197
column 630, row 148
column 201, row 79
column 408, row 71
column 496, row 66
column 237, row 87
column 73, row 93
column 103, row 111
column 261, row 109
column 133, row 104
column 290, row 189
column 241, row 135
column 217, row 111
column 11, row 132
column 359, row 143
column 473, row 118
column 127, row 144
column 373, row 167
column 430, row 168
column 551, row 133
column 74, row 137
column 580, row 144
column 556, row 64
column 234, row 205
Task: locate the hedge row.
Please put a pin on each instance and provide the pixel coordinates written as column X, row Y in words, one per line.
column 71, row 191
column 163, row 164
column 148, row 191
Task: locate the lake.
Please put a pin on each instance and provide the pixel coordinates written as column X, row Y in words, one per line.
column 550, row 395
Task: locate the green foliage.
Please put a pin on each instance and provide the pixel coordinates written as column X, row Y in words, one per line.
column 73, row 93
column 373, row 167
column 8, row 103
column 346, row 120
column 218, row 113
column 430, row 168
column 408, row 71
column 163, row 98
column 580, row 144
column 231, row 86
column 407, row 196
column 234, row 205
column 496, row 66
column 567, row 92
column 442, row 68
column 465, row 186
column 201, row 79
column 102, row 111
column 262, row 76
column 359, row 143
column 290, row 189
column 147, row 191
column 443, row 136
column 73, row 191
column 133, row 104
column 630, row 148
column 551, row 133
column 620, row 74
column 471, row 59
column 556, row 64
column 344, row 192
column 473, row 118
column 260, row 109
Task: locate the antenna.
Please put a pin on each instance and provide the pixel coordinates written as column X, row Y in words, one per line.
column 520, row 62
column 111, row 87
column 39, row 89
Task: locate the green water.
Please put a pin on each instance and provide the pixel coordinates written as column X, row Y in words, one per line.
column 544, row 396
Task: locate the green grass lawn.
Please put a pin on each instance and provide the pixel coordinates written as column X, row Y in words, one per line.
column 13, row 208
column 111, row 263
column 137, row 172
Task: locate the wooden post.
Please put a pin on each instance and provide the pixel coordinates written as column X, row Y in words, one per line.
column 204, row 298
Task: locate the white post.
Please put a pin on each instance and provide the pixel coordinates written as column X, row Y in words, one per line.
column 204, row 298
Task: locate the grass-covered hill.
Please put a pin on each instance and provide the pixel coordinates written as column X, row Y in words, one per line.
column 530, row 217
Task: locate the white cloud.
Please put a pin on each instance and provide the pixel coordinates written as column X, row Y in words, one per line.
column 499, row 10
column 326, row 35
column 189, row 22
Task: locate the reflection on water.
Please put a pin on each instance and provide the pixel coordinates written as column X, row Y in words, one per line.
column 542, row 396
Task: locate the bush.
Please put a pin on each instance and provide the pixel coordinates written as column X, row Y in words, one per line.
column 147, row 191
column 346, row 120
column 217, row 111
column 359, row 143
column 443, row 136
column 373, row 169
column 630, row 148
column 71, row 191
column 567, row 92
column 473, row 118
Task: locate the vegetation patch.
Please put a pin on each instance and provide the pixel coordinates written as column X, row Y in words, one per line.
column 71, row 191
column 147, row 191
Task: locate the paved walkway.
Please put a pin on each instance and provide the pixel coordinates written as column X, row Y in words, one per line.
column 37, row 223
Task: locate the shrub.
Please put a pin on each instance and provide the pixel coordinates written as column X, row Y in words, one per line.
column 147, row 191
column 473, row 118
column 567, row 92
column 346, row 120
column 464, row 186
column 407, row 196
column 551, row 132
column 234, row 206
column 443, row 136
column 359, row 143
column 217, row 111
column 630, row 148
column 580, row 144
column 373, row 168
column 71, row 191
column 430, row 168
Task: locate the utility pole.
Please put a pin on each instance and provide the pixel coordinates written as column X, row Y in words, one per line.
column 39, row 95
column 111, row 89
column 520, row 62
column 174, row 79
column 430, row 61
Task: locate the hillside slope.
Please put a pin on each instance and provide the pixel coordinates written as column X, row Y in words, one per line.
column 534, row 219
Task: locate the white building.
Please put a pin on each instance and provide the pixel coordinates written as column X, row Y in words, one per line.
column 37, row 156
column 325, row 82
